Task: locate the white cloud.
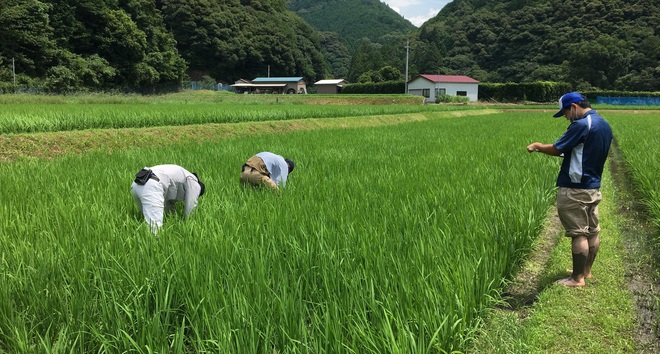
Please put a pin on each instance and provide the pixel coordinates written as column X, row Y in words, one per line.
column 417, row 11
column 401, row 3
column 419, row 20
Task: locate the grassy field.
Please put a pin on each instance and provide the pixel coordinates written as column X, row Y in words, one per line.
column 637, row 139
column 196, row 97
column 21, row 118
column 395, row 234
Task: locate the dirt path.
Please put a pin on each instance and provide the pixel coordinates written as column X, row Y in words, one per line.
column 523, row 291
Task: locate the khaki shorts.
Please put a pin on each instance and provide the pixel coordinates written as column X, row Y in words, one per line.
column 578, row 211
column 255, row 173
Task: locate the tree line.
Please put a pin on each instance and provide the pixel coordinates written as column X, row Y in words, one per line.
column 153, row 45
column 592, row 44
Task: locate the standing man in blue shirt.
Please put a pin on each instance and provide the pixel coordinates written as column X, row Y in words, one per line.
column 266, row 169
column 584, row 147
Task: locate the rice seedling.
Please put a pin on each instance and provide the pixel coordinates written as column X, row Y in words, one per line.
column 40, row 117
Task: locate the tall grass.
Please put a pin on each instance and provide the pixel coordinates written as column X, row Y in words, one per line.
column 636, row 136
column 209, row 97
column 390, row 239
column 30, row 118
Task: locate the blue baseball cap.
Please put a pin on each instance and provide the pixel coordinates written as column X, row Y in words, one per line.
column 566, row 101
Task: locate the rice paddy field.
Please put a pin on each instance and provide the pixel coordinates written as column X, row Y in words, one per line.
column 387, row 239
column 637, row 138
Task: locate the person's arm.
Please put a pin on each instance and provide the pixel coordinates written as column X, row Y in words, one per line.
column 548, row 149
column 192, row 193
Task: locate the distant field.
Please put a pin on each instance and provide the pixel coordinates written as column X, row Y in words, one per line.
column 214, row 97
column 62, row 113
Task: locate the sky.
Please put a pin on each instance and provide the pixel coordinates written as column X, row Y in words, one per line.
column 417, row 11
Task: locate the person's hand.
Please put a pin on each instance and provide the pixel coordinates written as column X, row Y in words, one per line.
column 532, row 147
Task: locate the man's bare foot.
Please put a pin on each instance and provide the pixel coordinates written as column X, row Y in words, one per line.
column 570, row 272
column 570, row 282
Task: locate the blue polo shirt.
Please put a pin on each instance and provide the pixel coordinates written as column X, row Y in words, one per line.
column 585, row 146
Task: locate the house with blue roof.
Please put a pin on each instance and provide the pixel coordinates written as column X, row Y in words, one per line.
column 277, row 85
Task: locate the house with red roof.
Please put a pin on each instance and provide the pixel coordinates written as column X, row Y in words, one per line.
column 431, row 86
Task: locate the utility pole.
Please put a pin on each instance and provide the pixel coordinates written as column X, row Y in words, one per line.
column 268, row 70
column 13, row 69
column 407, row 51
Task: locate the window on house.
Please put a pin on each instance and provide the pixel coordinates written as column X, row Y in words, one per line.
column 440, row 91
column 461, row 93
column 426, row 93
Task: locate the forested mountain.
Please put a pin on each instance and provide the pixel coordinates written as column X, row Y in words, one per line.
column 152, row 45
column 345, row 25
column 231, row 39
column 71, row 44
column 149, row 45
column 352, row 19
column 606, row 44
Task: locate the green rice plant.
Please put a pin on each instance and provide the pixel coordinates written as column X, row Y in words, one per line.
column 636, row 136
column 387, row 239
column 23, row 118
column 209, row 97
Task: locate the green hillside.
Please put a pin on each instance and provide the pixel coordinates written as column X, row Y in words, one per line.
column 151, row 45
column 607, row 44
column 349, row 27
column 352, row 20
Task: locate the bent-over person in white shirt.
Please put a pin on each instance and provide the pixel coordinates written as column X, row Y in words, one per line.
column 156, row 189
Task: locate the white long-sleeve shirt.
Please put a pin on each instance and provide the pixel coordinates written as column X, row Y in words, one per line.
column 179, row 185
column 175, row 184
column 277, row 167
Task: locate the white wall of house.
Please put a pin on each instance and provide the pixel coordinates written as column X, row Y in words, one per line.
column 423, row 87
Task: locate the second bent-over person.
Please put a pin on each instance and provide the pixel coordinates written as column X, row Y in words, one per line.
column 266, row 169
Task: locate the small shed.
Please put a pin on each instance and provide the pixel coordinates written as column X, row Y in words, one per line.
column 242, row 86
column 271, row 85
column 431, row 86
column 330, row 86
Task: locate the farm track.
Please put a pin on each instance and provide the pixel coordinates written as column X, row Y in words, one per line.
column 50, row 145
